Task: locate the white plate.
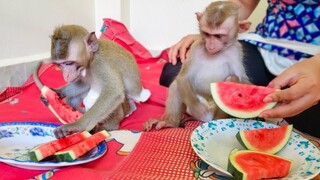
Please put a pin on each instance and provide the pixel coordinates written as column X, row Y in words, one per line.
column 17, row 138
column 214, row 140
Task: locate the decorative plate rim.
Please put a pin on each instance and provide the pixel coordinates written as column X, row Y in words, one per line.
column 98, row 151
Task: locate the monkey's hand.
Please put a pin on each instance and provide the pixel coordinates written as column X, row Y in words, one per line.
column 200, row 112
column 67, row 129
column 44, row 100
column 59, row 92
column 158, row 124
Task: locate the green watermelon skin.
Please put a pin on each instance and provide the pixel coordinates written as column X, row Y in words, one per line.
column 265, row 140
column 241, row 100
column 73, row 152
column 42, row 151
column 253, row 165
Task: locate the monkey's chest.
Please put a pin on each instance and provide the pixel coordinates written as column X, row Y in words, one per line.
column 206, row 73
column 91, row 98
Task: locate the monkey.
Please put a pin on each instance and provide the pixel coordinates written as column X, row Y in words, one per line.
column 216, row 57
column 100, row 74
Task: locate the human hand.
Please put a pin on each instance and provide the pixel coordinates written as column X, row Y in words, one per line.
column 303, row 82
column 181, row 48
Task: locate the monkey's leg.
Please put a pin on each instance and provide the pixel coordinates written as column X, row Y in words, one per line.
column 134, row 88
column 173, row 112
column 195, row 107
column 216, row 111
column 113, row 122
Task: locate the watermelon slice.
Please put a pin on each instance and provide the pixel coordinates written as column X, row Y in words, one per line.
column 73, row 152
column 253, row 165
column 265, row 140
column 65, row 113
column 241, row 100
column 42, row 151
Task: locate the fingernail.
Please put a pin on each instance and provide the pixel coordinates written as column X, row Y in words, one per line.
column 264, row 115
column 267, row 99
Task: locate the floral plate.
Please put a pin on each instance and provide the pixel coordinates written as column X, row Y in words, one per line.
column 17, row 138
column 214, row 140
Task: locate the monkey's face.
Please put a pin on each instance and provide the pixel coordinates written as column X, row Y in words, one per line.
column 73, row 66
column 71, row 70
column 218, row 38
column 214, row 43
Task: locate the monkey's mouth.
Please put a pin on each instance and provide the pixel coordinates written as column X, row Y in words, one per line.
column 214, row 51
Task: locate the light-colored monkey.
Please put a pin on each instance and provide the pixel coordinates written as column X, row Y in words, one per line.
column 100, row 73
column 216, row 57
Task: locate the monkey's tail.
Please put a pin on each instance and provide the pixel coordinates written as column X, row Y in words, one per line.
column 36, row 76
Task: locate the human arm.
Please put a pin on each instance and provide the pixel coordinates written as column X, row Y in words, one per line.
column 180, row 49
column 303, row 82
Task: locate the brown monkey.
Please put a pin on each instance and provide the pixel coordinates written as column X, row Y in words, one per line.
column 216, row 57
column 100, row 73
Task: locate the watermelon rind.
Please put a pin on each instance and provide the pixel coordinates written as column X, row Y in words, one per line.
column 264, row 138
column 44, row 150
column 280, row 167
column 244, row 113
column 77, row 150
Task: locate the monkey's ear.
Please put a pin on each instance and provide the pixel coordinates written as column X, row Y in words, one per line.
column 92, row 42
column 244, row 26
column 199, row 15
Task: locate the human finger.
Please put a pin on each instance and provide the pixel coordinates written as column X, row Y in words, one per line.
column 173, row 53
column 285, row 95
column 283, row 80
column 289, row 109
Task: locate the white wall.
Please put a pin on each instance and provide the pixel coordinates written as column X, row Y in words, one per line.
column 27, row 24
column 160, row 24
column 106, row 8
column 25, row 29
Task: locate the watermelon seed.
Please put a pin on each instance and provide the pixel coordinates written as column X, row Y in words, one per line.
column 240, row 95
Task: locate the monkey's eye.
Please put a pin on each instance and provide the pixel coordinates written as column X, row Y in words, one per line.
column 68, row 63
column 218, row 36
column 205, row 34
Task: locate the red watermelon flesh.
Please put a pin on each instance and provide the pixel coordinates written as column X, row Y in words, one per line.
column 42, row 151
column 265, row 140
column 253, row 165
column 75, row 151
column 65, row 113
column 241, row 100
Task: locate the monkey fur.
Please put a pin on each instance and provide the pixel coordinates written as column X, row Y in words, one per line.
column 99, row 73
column 216, row 57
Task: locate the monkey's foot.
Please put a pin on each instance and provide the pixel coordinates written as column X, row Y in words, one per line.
column 158, row 124
column 232, row 78
column 153, row 123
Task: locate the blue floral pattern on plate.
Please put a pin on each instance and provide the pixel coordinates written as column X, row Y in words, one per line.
column 17, row 138
column 214, row 140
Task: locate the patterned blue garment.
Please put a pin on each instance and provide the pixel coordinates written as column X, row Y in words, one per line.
column 297, row 20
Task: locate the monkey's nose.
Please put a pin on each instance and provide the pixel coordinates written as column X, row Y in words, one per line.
column 212, row 51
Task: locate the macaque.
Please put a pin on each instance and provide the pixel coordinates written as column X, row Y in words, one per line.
column 100, row 74
column 216, row 57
